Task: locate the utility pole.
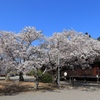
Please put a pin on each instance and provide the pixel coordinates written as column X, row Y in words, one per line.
column 58, row 79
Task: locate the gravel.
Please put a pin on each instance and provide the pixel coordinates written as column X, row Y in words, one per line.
column 62, row 94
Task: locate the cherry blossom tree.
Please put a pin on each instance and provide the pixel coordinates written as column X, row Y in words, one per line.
column 7, row 47
column 68, row 48
column 15, row 47
column 26, row 38
column 71, row 44
column 71, row 49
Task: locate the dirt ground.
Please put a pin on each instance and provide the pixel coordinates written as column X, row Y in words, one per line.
column 10, row 87
column 15, row 90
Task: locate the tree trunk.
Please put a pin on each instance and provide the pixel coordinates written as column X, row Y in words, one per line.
column 37, row 80
column 7, row 78
column 21, row 78
column 37, row 83
column 70, row 81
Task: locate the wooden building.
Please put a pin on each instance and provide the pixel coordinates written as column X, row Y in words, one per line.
column 78, row 72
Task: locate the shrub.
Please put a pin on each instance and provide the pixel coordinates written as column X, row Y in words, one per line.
column 46, row 78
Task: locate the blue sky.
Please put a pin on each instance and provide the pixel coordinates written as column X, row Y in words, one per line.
column 51, row 15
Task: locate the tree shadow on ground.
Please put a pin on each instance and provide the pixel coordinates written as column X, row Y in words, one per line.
column 51, row 88
column 86, row 86
column 13, row 89
column 16, row 88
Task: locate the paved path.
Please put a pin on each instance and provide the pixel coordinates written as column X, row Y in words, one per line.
column 27, row 78
column 65, row 94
